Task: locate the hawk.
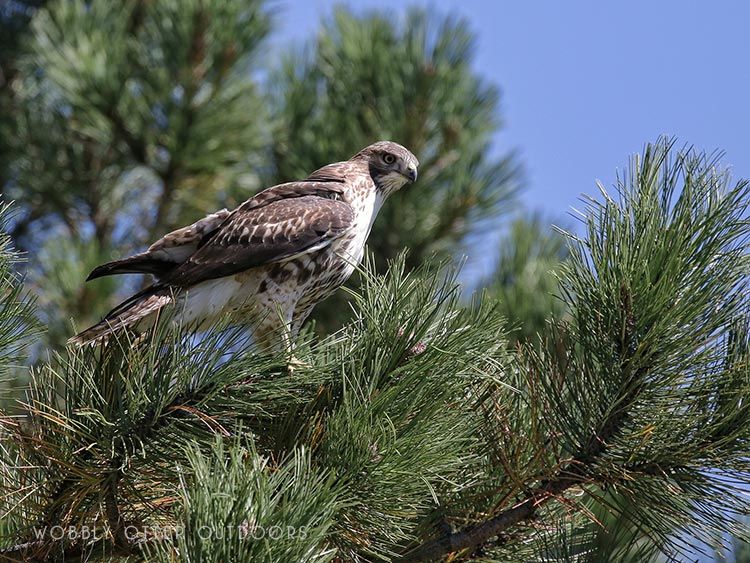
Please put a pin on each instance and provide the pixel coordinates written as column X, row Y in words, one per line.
column 277, row 255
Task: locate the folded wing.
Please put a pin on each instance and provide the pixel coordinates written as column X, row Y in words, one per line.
column 166, row 253
column 275, row 232
column 286, row 210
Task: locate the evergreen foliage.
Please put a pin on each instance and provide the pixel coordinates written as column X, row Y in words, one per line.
column 591, row 404
column 18, row 325
column 368, row 78
column 128, row 119
column 415, row 431
column 279, row 515
column 525, row 278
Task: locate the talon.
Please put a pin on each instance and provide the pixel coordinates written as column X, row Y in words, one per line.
column 295, row 363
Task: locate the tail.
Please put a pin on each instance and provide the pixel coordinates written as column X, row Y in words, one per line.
column 126, row 315
column 144, row 263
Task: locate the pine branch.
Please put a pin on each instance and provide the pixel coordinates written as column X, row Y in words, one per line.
column 194, row 76
column 138, row 147
column 573, row 474
column 97, row 454
column 631, row 358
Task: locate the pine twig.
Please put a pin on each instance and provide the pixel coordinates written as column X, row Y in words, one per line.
column 573, row 474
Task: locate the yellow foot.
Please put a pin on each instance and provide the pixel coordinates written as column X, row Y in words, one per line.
column 295, row 363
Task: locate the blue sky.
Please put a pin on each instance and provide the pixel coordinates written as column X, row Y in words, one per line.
column 586, row 83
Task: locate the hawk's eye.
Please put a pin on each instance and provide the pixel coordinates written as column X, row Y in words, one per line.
column 388, row 158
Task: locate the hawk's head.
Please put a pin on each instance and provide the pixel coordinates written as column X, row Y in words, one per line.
column 391, row 165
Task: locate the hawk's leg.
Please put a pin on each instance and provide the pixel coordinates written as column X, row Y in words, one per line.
column 277, row 332
column 291, row 333
column 294, row 363
column 299, row 317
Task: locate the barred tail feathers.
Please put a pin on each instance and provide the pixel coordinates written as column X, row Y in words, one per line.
column 126, row 315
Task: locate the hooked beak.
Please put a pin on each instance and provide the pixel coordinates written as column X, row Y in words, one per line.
column 411, row 173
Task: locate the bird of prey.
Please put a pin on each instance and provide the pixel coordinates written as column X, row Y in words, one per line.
column 277, row 255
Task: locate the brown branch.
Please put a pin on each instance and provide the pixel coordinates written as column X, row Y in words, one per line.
column 474, row 537
column 114, row 516
column 169, row 181
column 137, row 146
column 28, row 551
column 197, row 62
column 574, row 473
column 39, row 550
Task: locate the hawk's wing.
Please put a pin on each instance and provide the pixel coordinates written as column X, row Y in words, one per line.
column 164, row 256
column 167, row 252
column 256, row 235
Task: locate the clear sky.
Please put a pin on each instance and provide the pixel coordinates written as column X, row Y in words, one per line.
column 586, row 83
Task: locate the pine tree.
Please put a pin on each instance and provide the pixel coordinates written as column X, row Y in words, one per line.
column 132, row 118
column 613, row 426
column 368, row 78
column 128, row 119
column 525, row 278
column 415, row 432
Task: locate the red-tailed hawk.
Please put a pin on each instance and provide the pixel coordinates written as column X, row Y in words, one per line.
column 278, row 254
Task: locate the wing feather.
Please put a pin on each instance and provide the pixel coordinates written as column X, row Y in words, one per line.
column 165, row 255
column 186, row 237
column 167, row 252
column 257, row 235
